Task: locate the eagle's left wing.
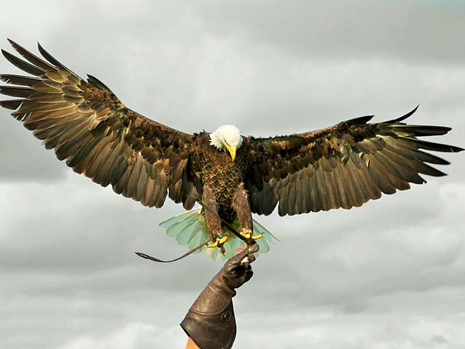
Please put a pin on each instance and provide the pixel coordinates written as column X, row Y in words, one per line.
column 344, row 165
column 97, row 135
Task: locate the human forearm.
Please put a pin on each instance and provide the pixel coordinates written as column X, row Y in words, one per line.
column 210, row 322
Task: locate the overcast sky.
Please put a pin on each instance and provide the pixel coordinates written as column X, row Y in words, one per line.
column 388, row 275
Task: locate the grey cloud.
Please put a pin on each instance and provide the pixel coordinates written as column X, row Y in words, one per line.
column 344, row 31
column 387, row 274
column 23, row 158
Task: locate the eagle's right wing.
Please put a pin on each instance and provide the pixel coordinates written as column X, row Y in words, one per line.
column 344, row 165
column 97, row 135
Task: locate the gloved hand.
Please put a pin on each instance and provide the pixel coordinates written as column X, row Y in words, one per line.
column 210, row 321
column 237, row 270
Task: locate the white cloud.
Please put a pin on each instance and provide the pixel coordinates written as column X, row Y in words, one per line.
column 132, row 336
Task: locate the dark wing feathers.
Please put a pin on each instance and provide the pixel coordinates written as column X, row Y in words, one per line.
column 341, row 166
column 90, row 128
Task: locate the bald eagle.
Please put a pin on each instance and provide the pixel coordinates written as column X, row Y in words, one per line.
column 344, row 165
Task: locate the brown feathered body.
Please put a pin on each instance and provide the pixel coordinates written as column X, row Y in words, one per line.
column 344, row 165
column 217, row 170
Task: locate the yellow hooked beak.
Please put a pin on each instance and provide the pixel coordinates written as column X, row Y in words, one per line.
column 232, row 151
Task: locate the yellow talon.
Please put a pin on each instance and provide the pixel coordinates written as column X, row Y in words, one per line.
column 214, row 244
column 218, row 243
column 247, row 234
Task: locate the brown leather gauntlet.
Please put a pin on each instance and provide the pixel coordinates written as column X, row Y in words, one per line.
column 210, row 321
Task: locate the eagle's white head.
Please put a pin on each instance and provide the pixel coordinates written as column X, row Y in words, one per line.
column 227, row 137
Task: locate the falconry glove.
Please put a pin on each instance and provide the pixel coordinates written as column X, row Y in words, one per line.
column 210, row 321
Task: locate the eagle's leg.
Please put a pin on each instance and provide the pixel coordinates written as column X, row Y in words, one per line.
column 212, row 220
column 244, row 213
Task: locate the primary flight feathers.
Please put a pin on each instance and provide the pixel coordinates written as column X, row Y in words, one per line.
column 344, row 165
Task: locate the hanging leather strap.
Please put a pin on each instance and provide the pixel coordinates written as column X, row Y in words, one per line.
column 205, row 207
column 146, row 256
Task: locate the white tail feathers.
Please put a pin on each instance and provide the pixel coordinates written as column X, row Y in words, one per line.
column 190, row 229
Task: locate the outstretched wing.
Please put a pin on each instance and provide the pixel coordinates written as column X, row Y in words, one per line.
column 97, row 135
column 340, row 166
